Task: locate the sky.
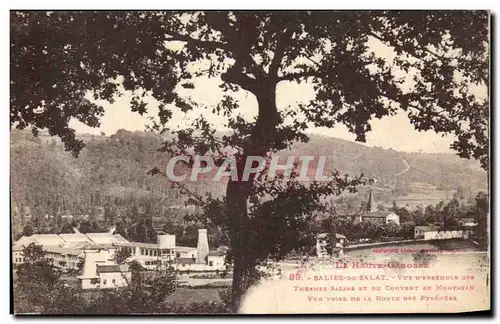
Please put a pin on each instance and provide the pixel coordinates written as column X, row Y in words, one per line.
column 394, row 132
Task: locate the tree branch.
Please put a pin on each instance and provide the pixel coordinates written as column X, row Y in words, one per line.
column 415, row 55
column 198, row 42
column 239, row 43
column 298, row 75
column 315, row 63
column 279, row 52
column 437, row 114
column 235, row 75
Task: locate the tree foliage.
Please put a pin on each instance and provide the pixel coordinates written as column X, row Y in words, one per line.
column 37, row 288
column 51, row 74
column 482, row 211
column 144, row 294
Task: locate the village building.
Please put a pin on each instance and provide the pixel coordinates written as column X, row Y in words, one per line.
column 66, row 251
column 151, row 255
column 185, row 252
column 322, row 243
column 64, row 258
column 467, row 222
column 165, row 252
column 17, row 254
column 216, row 259
column 371, row 214
column 113, row 275
column 97, row 253
column 381, row 217
column 436, row 233
column 100, row 271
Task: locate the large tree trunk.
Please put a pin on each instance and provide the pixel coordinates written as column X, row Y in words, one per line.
column 237, row 208
column 241, row 281
column 238, row 192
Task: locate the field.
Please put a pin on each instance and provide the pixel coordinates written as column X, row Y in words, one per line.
column 189, row 295
column 423, row 199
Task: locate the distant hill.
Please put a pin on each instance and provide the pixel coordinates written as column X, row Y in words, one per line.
column 390, row 167
column 113, row 170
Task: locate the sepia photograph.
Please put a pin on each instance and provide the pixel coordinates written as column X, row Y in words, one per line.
column 249, row 162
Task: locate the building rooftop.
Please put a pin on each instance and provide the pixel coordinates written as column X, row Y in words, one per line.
column 92, row 260
column 427, row 228
column 18, row 247
column 92, row 246
column 75, row 238
column 108, row 268
column 467, row 220
column 378, row 213
column 24, row 241
column 216, row 253
column 72, row 240
column 48, row 239
column 141, row 244
column 106, row 238
column 185, row 260
column 63, row 251
column 183, row 248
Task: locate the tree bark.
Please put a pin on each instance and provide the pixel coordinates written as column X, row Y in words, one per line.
column 237, row 207
column 238, row 192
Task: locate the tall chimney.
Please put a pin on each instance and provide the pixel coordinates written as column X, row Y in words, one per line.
column 202, row 247
column 370, row 206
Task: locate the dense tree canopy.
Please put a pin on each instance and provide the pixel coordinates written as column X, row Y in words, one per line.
column 361, row 65
column 56, row 58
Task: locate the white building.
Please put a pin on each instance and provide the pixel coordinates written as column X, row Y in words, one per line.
column 100, row 271
column 435, row 233
column 381, row 217
column 17, row 254
column 66, row 250
column 165, row 252
column 113, row 275
column 64, row 258
column 151, row 255
column 185, row 252
column 371, row 214
column 322, row 242
column 216, row 259
column 467, row 222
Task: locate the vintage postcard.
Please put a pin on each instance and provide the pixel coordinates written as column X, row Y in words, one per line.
column 250, row 162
